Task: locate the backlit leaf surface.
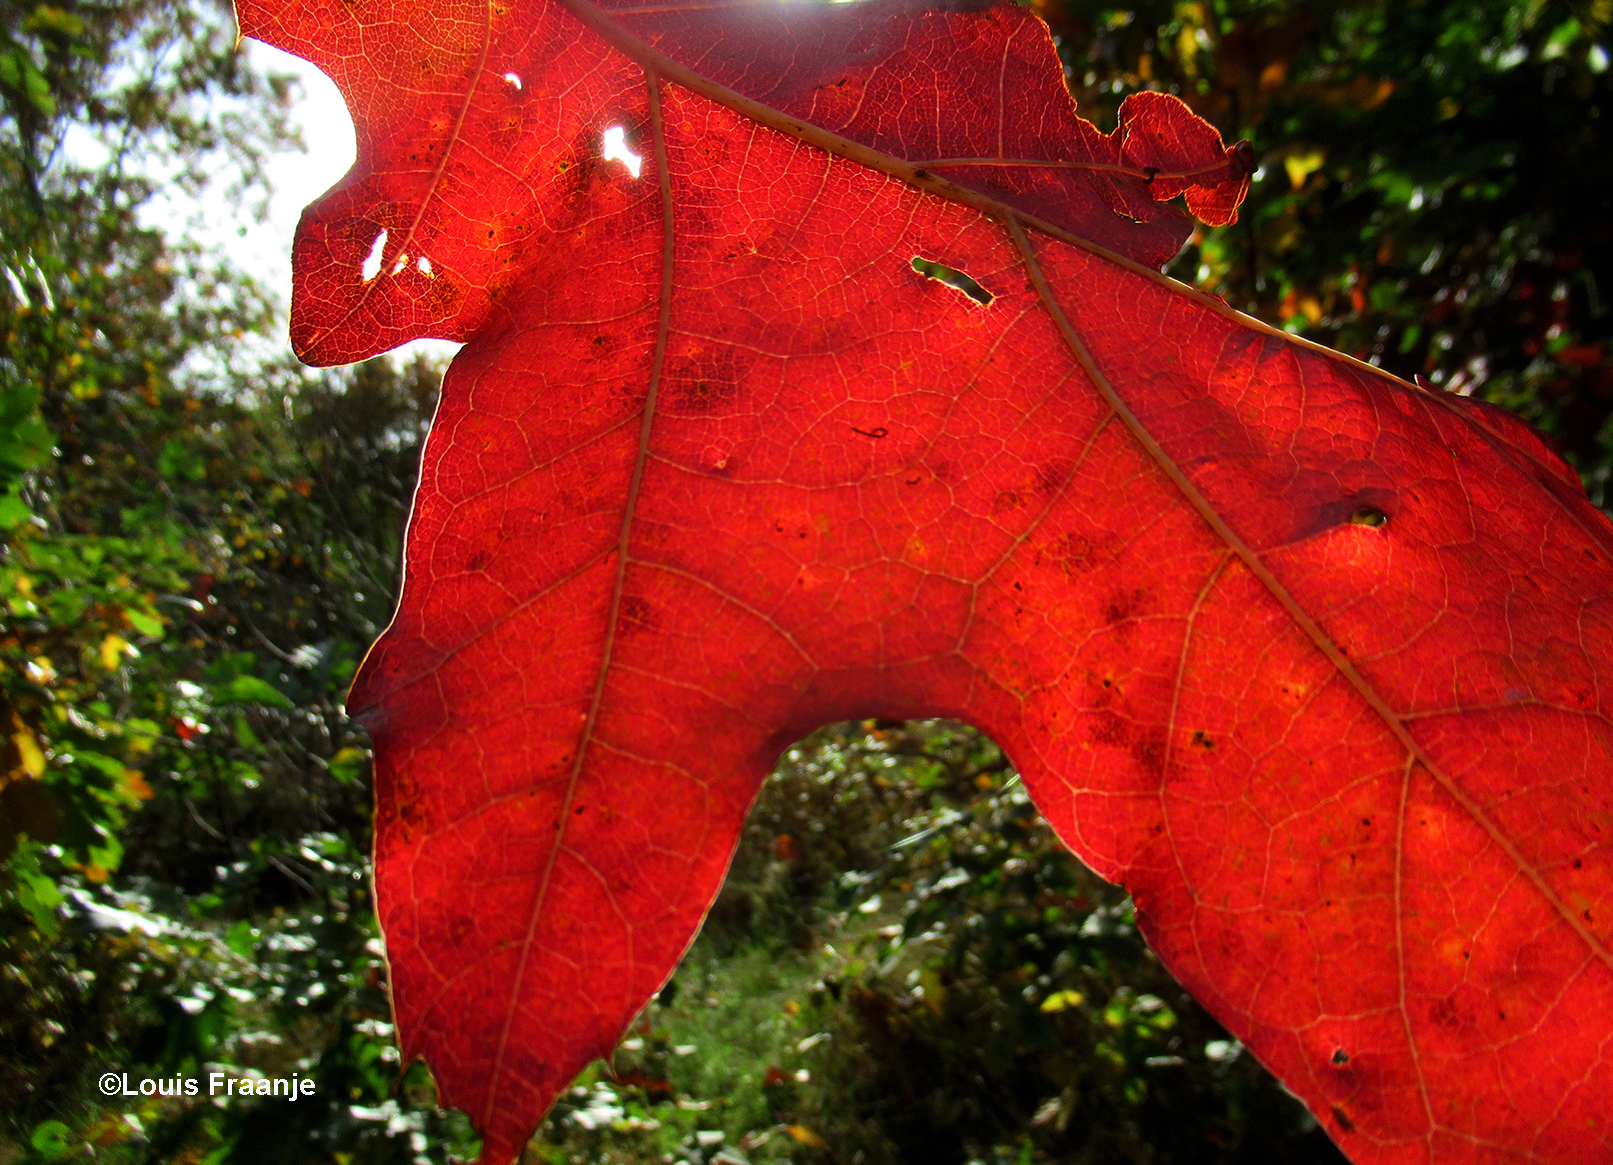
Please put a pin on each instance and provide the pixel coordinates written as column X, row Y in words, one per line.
column 1317, row 663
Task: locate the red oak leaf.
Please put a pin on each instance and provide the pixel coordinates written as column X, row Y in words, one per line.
column 1315, row 662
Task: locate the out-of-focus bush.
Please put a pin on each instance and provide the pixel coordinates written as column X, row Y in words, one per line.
column 906, row 966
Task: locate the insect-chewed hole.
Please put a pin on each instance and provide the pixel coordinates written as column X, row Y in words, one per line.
column 953, row 278
column 615, row 149
column 372, row 261
column 513, row 79
column 1370, row 516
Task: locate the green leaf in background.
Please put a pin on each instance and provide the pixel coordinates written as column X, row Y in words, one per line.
column 47, row 18
column 13, row 511
column 242, row 938
column 148, row 625
column 348, row 765
column 179, row 461
column 251, row 690
column 35, row 892
column 51, row 1139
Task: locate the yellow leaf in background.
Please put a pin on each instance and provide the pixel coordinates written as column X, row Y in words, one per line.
column 805, row 1136
column 133, row 786
column 112, row 651
column 792, row 1008
column 1302, row 166
column 1062, row 1001
column 30, row 757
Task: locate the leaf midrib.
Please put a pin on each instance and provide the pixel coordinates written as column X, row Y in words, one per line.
column 658, row 362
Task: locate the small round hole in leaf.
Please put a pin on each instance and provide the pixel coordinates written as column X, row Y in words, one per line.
column 1369, row 516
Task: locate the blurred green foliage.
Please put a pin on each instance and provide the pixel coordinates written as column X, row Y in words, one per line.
column 198, row 540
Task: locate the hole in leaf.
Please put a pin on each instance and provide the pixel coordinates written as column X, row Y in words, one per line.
column 615, row 150
column 1369, row 516
column 513, row 79
column 1341, row 1057
column 953, row 278
column 372, row 261
column 424, row 264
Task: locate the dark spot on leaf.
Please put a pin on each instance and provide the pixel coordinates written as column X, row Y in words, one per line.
column 636, row 614
column 1202, row 741
column 1123, row 607
column 1444, row 1013
column 1149, row 751
column 1341, row 1057
column 705, row 380
column 1344, row 1122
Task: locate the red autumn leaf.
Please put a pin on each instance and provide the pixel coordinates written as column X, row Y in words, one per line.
column 786, row 848
column 1315, row 662
column 654, row 1085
